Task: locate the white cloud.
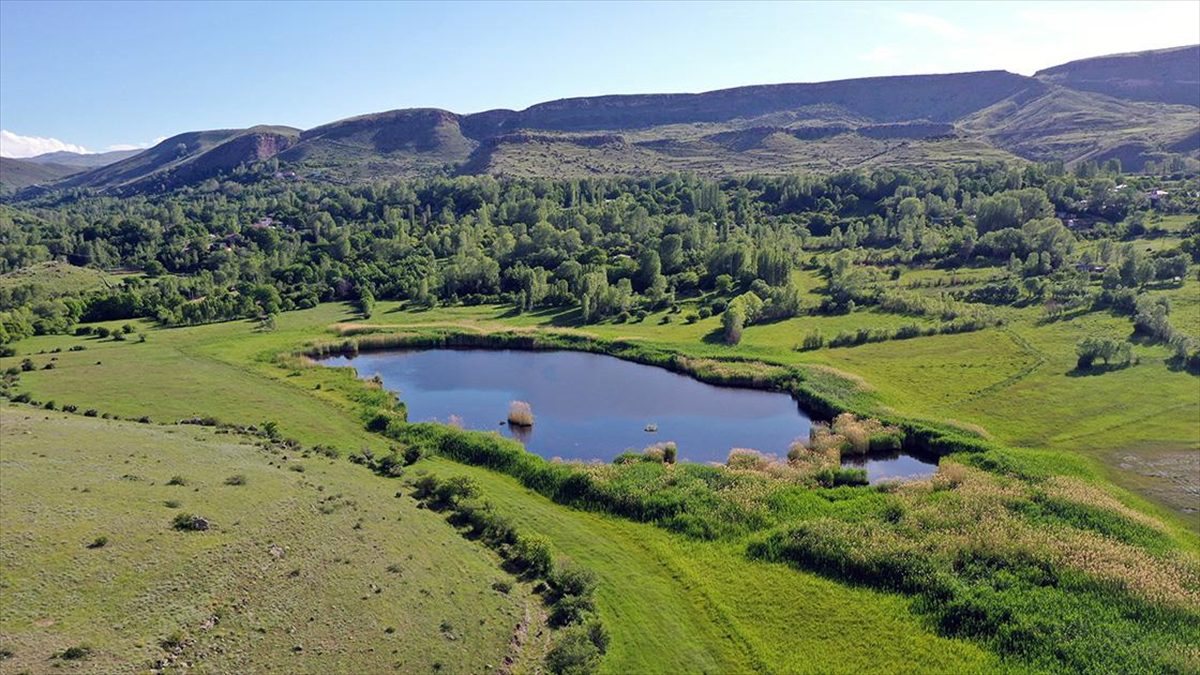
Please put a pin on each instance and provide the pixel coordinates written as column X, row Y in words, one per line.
column 933, row 24
column 136, row 146
column 16, row 145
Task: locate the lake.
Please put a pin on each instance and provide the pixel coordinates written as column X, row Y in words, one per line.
column 593, row 407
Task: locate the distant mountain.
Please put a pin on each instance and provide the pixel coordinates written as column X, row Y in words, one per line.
column 1130, row 106
column 399, row 142
column 16, row 174
column 82, row 160
column 187, row 158
column 1162, row 75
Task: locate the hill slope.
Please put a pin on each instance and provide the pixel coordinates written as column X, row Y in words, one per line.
column 82, row 160
column 187, row 158
column 282, row 581
column 20, row 173
column 1162, row 75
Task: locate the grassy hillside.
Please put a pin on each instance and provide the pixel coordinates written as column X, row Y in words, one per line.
column 1069, row 124
column 716, row 151
column 19, row 173
column 54, row 279
column 89, row 160
column 294, row 574
column 1176, row 75
column 187, row 158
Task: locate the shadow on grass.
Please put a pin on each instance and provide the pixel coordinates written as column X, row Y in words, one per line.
column 1099, row 369
column 715, row 336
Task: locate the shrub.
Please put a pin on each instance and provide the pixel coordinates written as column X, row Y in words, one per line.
column 669, row 453
column 813, row 340
column 532, row 552
column 118, row 337
column 575, row 653
column 99, row 542
column 90, row 412
column 173, row 642
column 746, row 459
column 424, row 486
column 571, row 579
column 520, row 414
column 571, row 609
column 187, row 522
column 27, row 364
column 412, row 454
column 452, row 491
column 598, row 634
column 237, row 479
column 379, row 422
column 177, row 480
column 76, row 653
column 390, row 465
column 504, row 587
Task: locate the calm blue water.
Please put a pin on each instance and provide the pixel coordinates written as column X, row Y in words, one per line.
column 588, row 406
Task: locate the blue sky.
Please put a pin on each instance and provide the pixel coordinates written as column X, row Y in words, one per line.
column 98, row 75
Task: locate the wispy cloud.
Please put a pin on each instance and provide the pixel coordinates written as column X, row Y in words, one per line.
column 880, row 54
column 933, row 24
column 16, row 145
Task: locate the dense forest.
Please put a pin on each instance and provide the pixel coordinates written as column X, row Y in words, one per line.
column 255, row 244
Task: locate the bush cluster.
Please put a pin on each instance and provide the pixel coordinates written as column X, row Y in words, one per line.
column 570, row 588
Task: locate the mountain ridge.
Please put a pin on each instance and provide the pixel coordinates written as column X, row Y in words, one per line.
column 1122, row 106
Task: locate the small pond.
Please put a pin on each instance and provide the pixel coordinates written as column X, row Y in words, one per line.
column 593, row 407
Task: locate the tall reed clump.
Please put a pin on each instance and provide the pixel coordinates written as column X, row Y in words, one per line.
column 520, row 414
column 989, row 559
column 854, row 435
